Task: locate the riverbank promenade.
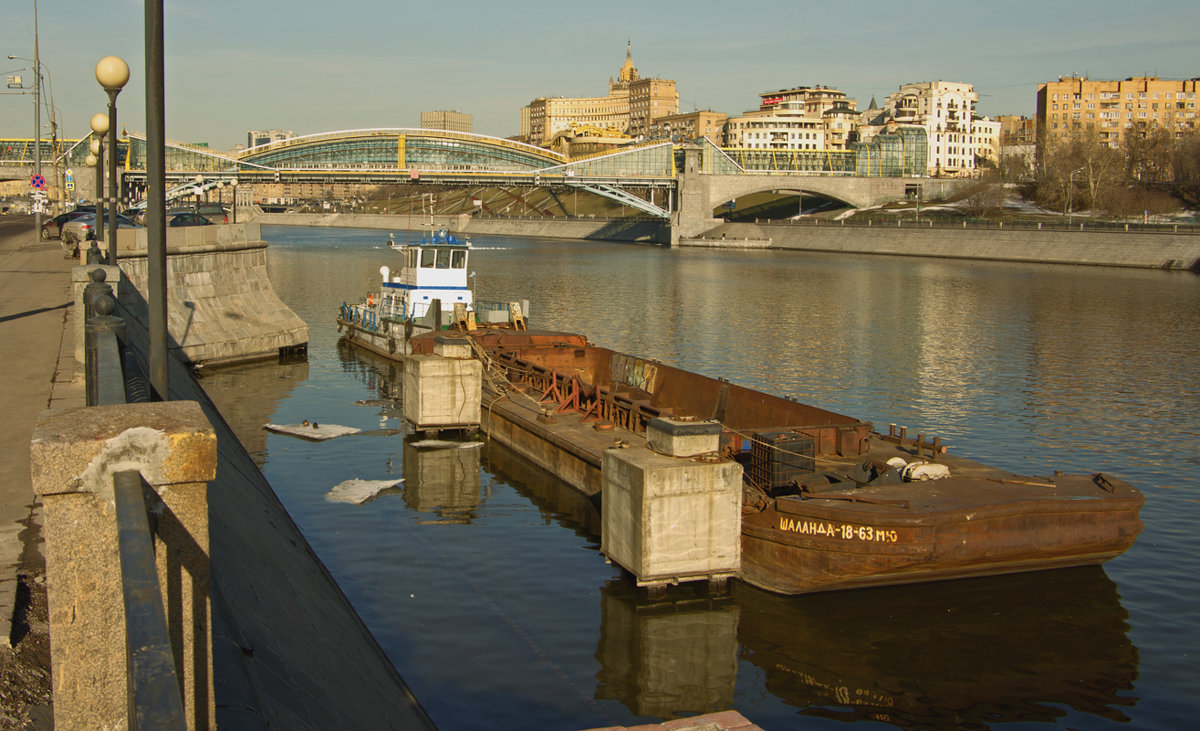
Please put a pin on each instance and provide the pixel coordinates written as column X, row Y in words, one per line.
column 36, row 358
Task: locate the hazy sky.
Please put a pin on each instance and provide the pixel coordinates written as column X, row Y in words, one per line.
column 310, row 66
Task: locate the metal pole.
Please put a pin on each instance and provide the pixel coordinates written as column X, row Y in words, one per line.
column 112, row 177
column 37, row 122
column 98, row 228
column 156, row 178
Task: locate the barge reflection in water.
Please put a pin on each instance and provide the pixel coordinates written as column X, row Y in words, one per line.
column 1001, row 356
column 964, row 653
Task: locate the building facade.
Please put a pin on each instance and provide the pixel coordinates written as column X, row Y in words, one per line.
column 690, row 126
column 800, row 118
column 631, row 106
column 448, row 120
column 985, row 134
column 256, row 137
column 1077, row 105
column 946, row 109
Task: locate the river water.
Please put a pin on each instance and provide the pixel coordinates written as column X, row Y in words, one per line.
column 481, row 577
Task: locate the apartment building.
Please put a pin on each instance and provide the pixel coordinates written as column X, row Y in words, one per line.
column 690, row 126
column 256, row 137
column 800, row 118
column 448, row 120
column 946, row 109
column 1077, row 105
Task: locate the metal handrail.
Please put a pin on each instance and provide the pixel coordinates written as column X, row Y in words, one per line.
column 155, row 700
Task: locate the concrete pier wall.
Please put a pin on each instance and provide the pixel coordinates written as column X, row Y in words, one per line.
column 1087, row 246
column 1158, row 250
column 221, row 305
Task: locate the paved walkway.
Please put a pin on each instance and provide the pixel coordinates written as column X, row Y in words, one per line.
column 38, row 367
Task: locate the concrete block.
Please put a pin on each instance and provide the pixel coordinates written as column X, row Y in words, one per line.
column 667, row 519
column 683, row 438
column 442, row 393
column 451, row 347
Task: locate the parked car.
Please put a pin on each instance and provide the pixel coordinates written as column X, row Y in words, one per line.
column 187, row 218
column 52, row 228
column 83, row 228
column 213, row 212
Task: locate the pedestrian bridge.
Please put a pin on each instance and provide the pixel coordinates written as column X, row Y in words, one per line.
column 404, row 155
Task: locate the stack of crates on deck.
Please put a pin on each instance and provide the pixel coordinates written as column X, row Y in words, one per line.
column 781, row 459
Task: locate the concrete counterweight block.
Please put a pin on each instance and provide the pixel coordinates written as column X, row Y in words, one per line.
column 682, row 438
column 443, row 391
column 666, row 519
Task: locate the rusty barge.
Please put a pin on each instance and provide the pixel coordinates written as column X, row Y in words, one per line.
column 821, row 501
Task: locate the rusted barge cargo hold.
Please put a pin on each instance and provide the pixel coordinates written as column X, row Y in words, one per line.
column 828, row 502
column 705, row 479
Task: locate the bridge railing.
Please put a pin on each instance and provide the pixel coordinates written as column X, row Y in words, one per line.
column 123, row 482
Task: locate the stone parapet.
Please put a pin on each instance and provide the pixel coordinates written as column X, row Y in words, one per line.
column 221, row 306
column 74, row 454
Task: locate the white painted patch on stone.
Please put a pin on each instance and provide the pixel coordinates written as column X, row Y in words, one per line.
column 141, row 448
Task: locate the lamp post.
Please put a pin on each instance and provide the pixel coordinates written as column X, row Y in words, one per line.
column 112, row 72
column 233, row 184
column 93, row 161
column 1071, row 197
column 37, row 119
column 199, row 180
column 220, row 186
column 99, row 128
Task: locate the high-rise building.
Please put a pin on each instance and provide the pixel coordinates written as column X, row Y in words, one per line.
column 447, row 120
column 1076, row 105
column 946, row 109
column 257, row 137
column 631, row 106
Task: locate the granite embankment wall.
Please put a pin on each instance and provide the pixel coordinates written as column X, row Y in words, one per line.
column 287, row 648
column 651, row 231
column 1142, row 249
column 221, row 306
column 289, row 651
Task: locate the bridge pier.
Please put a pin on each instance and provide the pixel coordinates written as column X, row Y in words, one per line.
column 694, row 214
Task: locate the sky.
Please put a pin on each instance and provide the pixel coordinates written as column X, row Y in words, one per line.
column 317, row 66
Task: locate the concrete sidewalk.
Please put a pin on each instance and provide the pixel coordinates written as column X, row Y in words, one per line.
column 38, row 367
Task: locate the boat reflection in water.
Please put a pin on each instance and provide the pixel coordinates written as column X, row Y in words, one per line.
column 949, row 653
column 442, row 478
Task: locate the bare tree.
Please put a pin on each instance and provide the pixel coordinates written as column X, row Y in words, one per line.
column 1080, row 173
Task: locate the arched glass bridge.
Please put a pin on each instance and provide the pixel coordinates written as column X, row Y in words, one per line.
column 402, row 155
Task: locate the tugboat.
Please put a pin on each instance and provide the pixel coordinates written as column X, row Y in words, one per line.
column 430, row 292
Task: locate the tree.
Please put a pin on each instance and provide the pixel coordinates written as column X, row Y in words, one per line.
column 1080, row 173
column 1148, row 153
